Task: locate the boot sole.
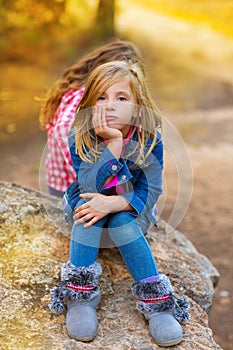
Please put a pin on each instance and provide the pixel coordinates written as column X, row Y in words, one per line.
column 87, row 339
column 175, row 342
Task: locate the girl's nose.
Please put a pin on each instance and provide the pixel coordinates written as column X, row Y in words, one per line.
column 110, row 106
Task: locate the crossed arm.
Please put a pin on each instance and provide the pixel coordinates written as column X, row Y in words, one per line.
column 99, row 206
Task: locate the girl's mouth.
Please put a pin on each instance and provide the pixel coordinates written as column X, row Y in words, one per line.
column 111, row 117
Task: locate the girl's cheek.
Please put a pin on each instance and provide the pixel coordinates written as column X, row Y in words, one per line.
column 99, row 103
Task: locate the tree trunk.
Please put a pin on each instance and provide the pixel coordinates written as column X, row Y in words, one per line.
column 104, row 25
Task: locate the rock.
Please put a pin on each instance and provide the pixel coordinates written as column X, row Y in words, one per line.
column 182, row 242
column 35, row 243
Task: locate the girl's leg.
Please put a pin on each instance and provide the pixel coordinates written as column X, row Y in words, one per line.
column 79, row 283
column 84, row 244
column 134, row 248
column 156, row 299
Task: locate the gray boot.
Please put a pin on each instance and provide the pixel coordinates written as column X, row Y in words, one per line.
column 79, row 287
column 162, row 309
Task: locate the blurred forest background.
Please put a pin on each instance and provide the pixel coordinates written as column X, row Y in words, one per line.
column 187, row 47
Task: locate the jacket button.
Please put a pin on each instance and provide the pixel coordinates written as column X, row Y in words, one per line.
column 114, row 167
column 123, row 177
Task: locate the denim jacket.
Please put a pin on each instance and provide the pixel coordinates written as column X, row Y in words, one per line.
column 142, row 182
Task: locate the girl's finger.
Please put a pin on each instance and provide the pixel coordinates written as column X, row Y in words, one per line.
column 87, row 195
column 83, row 206
column 95, row 119
column 81, row 213
column 99, row 116
column 103, row 117
column 91, row 222
column 83, row 219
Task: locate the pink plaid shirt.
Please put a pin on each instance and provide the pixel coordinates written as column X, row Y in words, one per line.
column 59, row 170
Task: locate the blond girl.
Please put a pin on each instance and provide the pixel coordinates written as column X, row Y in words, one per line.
column 117, row 153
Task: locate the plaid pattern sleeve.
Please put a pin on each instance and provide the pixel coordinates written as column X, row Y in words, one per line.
column 59, row 170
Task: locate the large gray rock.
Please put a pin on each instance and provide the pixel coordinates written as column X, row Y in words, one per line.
column 34, row 244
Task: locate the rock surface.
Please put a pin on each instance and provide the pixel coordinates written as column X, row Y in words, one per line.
column 35, row 243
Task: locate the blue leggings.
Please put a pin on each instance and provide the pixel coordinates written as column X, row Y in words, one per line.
column 125, row 231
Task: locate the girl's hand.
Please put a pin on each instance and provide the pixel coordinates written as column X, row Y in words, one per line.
column 100, row 125
column 114, row 136
column 98, row 207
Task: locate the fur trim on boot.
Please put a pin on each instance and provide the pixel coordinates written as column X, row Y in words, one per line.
column 158, row 296
column 77, row 283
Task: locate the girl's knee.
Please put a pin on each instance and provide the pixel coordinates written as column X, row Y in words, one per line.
column 120, row 219
column 123, row 228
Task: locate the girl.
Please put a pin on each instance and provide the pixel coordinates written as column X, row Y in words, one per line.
column 117, row 154
column 59, row 106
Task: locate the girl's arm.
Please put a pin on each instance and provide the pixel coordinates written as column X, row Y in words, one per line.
column 112, row 135
column 99, row 206
column 146, row 191
column 148, row 186
column 144, row 196
column 92, row 177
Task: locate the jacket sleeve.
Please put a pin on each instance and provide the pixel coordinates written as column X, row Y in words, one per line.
column 93, row 176
column 144, row 188
column 148, row 185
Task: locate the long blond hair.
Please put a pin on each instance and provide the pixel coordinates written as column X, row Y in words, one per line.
column 97, row 83
column 76, row 75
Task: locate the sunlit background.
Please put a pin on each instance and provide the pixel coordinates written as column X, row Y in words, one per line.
column 187, row 47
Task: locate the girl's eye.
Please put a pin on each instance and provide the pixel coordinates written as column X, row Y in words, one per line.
column 122, row 98
column 101, row 98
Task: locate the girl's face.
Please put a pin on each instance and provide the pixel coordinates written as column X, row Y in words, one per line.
column 118, row 104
